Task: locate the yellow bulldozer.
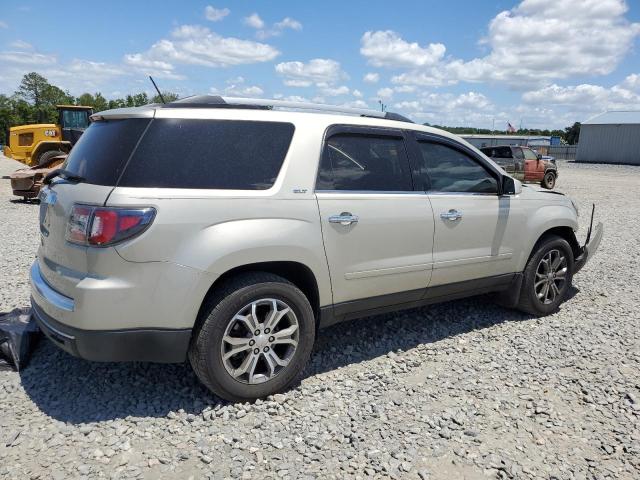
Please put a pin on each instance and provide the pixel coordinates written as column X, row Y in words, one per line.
column 36, row 144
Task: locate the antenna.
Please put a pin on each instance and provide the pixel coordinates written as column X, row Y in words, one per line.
column 157, row 89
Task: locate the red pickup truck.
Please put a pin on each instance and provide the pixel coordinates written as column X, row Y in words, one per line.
column 524, row 164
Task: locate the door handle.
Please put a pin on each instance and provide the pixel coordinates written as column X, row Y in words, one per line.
column 452, row 215
column 345, row 218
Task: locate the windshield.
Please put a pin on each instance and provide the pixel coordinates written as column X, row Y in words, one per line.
column 75, row 118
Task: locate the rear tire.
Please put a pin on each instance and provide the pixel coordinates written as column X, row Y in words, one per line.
column 547, row 276
column 549, row 180
column 46, row 156
column 237, row 319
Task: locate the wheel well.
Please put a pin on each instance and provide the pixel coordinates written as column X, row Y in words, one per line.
column 297, row 273
column 563, row 232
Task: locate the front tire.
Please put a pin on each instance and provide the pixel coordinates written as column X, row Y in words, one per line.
column 547, row 276
column 255, row 336
column 549, row 180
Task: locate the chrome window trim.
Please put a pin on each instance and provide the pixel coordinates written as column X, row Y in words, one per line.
column 470, row 194
column 373, row 192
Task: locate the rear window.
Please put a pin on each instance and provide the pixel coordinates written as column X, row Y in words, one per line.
column 212, row 154
column 103, row 150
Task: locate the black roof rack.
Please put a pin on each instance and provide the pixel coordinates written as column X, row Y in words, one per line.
column 217, row 101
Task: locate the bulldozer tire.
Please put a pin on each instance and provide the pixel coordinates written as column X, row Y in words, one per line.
column 48, row 155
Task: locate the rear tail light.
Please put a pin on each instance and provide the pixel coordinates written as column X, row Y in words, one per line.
column 104, row 226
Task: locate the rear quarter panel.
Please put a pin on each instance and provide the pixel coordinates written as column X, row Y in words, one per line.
column 216, row 233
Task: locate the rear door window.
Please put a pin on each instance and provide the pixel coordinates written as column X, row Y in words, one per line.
column 103, row 150
column 360, row 162
column 209, row 154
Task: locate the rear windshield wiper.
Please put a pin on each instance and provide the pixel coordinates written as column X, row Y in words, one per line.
column 61, row 172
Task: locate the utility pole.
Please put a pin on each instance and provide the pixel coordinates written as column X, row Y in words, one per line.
column 383, row 107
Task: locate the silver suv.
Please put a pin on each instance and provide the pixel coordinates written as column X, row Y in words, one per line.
column 227, row 231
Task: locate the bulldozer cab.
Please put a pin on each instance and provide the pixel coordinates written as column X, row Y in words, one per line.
column 35, row 144
column 73, row 120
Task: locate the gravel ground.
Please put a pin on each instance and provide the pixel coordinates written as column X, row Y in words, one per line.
column 460, row 390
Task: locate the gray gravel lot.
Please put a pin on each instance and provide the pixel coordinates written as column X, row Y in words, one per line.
column 460, row 390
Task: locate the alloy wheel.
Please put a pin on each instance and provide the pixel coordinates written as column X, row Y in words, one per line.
column 260, row 341
column 551, row 276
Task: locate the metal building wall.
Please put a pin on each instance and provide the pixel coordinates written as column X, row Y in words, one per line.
column 609, row 144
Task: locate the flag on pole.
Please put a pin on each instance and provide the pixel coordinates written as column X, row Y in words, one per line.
column 510, row 128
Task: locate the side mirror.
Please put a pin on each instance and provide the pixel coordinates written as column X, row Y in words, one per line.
column 511, row 186
column 539, row 155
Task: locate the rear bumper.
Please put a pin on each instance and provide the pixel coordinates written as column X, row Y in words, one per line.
column 135, row 345
column 590, row 247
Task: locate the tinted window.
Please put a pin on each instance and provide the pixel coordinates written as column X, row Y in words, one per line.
column 497, row 152
column 364, row 162
column 529, row 155
column 450, row 170
column 517, row 153
column 216, row 154
column 103, row 150
column 75, row 119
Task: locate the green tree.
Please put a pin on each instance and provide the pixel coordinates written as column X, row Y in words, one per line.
column 100, row 103
column 32, row 88
column 36, row 90
column 571, row 134
column 97, row 101
column 168, row 97
column 86, row 99
column 136, row 100
column 14, row 111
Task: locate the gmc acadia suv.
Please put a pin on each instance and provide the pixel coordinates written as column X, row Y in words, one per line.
column 227, row 231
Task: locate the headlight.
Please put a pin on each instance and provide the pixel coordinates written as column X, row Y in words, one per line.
column 575, row 207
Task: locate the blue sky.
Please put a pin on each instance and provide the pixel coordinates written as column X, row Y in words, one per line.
column 542, row 63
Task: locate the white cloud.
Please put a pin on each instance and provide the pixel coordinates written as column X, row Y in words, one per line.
column 449, row 109
column 387, row 49
column 197, row 45
column 334, row 91
column 385, row 93
column 433, row 78
column 535, row 43
column 290, row 23
column 236, row 88
column 28, row 57
column 405, row 89
column 588, row 97
column 21, row 45
column 632, row 82
column 539, row 41
column 317, row 71
column 291, row 98
column 254, row 21
column 215, row 14
column 3, row 24
column 357, row 93
column 371, row 77
column 355, row 104
column 279, row 28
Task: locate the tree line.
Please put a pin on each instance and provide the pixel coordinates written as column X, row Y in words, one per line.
column 35, row 101
column 569, row 135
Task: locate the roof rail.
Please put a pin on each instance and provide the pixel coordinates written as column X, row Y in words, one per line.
column 216, row 101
